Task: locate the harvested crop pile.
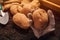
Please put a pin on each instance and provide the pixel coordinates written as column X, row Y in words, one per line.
column 21, row 10
column 26, row 15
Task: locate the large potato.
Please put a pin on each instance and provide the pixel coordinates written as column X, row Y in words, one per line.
column 40, row 19
column 21, row 20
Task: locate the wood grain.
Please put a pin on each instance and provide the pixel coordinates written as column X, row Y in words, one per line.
column 55, row 1
column 51, row 5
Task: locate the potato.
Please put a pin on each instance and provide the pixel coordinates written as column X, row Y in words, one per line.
column 31, row 7
column 12, row 1
column 19, row 8
column 35, row 3
column 24, row 2
column 13, row 9
column 21, row 20
column 25, row 11
column 6, row 6
column 40, row 19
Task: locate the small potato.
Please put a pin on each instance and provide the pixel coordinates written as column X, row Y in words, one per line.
column 13, row 9
column 6, row 6
column 19, row 8
column 21, row 20
column 40, row 19
column 32, row 4
column 24, row 2
column 15, row 3
column 29, row 7
column 12, row 1
column 35, row 3
column 25, row 11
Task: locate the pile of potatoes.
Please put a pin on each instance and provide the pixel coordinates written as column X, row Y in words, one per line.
column 27, row 12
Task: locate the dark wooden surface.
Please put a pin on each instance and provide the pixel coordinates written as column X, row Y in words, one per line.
column 11, row 31
column 56, row 2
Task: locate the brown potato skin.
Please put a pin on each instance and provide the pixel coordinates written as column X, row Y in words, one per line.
column 25, row 11
column 13, row 9
column 40, row 19
column 6, row 7
column 31, row 5
column 12, row 1
column 19, row 8
column 21, row 20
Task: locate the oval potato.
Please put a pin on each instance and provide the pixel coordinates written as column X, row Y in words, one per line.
column 21, row 20
column 6, row 6
column 13, row 9
column 40, row 19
